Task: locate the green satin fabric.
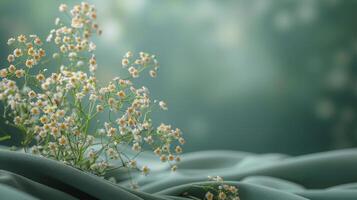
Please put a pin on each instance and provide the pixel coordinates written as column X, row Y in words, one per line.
column 322, row 176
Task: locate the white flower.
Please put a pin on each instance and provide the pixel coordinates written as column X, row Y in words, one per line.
column 17, row 52
column 153, row 73
column 145, row 170
column 222, row 196
column 3, row 73
column 63, row 140
column 163, row 105
column 133, row 72
column 77, row 22
column 112, row 153
column 128, row 54
column 12, row 68
column 19, row 73
column 178, row 149
column 93, row 68
column 42, row 134
column 136, row 147
column 35, row 111
column 62, row 8
column 92, row 47
column 163, row 158
column 132, row 163
column 209, row 196
column 60, row 106
column 100, row 108
column 111, row 132
column 10, row 58
column 31, row 94
column 125, row 62
column 11, row 41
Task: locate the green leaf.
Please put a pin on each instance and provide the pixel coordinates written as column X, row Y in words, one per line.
column 5, row 137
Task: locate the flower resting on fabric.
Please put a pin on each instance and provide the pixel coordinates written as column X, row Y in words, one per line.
column 217, row 190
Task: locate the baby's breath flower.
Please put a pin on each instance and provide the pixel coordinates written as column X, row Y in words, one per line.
column 133, row 72
column 209, row 196
column 163, row 105
column 121, row 94
column 178, row 149
column 56, row 132
column 37, row 41
column 222, row 196
column 17, row 52
column 42, row 134
column 157, row 151
column 171, row 157
column 112, row 153
column 63, row 49
column 17, row 120
column 40, row 77
column 149, row 139
column 30, row 63
column 136, row 147
column 44, row 119
column 21, row 38
column 181, row 140
column 145, row 170
column 132, row 163
column 19, row 73
column 111, row 132
column 12, row 68
column 31, row 94
column 219, row 189
column 62, row 8
column 3, row 73
column 100, row 108
column 77, row 22
column 56, row 111
column 11, row 41
column 63, row 140
column 163, row 158
column 92, row 68
column 125, row 62
column 10, row 58
column 31, row 51
column 153, row 73
column 174, row 168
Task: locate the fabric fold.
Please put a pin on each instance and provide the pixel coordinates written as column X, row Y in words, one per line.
column 320, row 176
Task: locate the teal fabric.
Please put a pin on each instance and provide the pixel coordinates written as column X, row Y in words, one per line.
column 321, row 176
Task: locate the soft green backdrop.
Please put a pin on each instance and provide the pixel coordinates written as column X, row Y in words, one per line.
column 251, row 75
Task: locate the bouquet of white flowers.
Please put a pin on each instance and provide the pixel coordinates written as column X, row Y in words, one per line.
column 55, row 100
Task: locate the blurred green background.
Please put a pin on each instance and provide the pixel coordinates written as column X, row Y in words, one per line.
column 251, row 75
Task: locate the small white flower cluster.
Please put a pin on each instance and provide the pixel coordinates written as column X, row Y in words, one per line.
column 221, row 191
column 138, row 65
column 216, row 190
column 56, row 108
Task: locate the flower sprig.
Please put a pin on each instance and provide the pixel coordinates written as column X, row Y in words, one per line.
column 217, row 190
column 56, row 101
